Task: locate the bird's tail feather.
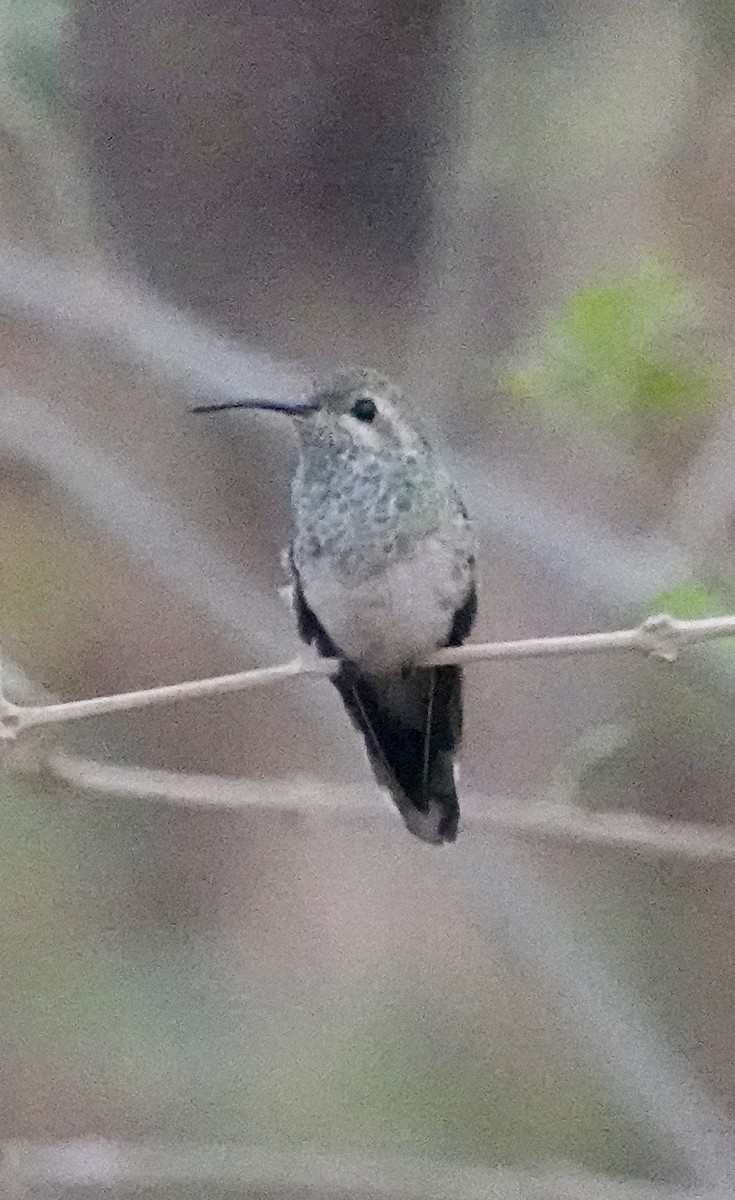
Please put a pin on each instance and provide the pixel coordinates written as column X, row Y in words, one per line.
column 411, row 723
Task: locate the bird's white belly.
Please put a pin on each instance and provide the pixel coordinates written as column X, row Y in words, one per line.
column 399, row 614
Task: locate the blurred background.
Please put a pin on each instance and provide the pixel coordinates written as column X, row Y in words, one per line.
column 524, row 210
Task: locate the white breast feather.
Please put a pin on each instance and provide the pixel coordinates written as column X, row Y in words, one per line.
column 400, row 614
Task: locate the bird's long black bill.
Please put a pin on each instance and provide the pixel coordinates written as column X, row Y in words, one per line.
column 293, row 408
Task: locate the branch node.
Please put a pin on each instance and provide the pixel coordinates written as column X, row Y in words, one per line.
column 661, row 637
column 10, row 724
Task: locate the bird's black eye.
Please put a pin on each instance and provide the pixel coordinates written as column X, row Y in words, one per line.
column 364, row 409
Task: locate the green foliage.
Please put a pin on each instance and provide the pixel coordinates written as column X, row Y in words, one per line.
column 691, row 601
column 620, row 352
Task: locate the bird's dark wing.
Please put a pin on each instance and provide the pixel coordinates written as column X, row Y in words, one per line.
column 411, row 722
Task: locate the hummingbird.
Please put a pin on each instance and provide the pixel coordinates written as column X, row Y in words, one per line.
column 382, row 566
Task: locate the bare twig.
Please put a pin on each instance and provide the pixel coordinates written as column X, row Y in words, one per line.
column 607, row 1025
column 195, row 361
column 659, row 636
column 285, row 1173
column 554, row 820
column 538, row 821
column 140, row 517
column 14, row 718
column 137, row 326
column 591, row 1008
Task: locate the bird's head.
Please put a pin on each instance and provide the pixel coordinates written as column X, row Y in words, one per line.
column 359, row 406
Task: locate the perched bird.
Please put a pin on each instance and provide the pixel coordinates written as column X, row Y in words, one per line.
column 383, row 575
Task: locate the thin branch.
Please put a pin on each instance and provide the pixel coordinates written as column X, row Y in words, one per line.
column 591, row 1010
column 572, row 824
column 608, row 1026
column 547, row 820
column 659, row 636
column 286, row 1173
column 138, row 328
column 15, row 717
column 538, row 821
column 141, row 517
